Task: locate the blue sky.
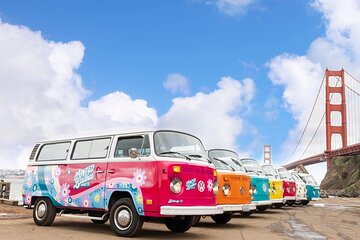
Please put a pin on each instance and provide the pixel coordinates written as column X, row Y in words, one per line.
column 132, row 46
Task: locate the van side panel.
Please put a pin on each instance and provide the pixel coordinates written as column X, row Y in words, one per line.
column 139, row 178
column 66, row 185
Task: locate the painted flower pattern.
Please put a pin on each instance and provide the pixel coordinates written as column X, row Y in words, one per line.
column 57, row 171
column 139, row 178
column 210, row 185
column 139, row 198
column 29, row 182
column 85, row 202
column 65, row 191
column 97, row 198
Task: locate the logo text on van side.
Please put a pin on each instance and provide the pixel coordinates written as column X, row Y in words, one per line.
column 83, row 177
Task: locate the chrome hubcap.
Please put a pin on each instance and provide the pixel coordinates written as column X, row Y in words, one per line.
column 41, row 210
column 123, row 217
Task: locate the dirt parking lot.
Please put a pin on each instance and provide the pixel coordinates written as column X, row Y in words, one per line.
column 335, row 218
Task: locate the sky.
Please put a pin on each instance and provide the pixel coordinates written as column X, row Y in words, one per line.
column 236, row 73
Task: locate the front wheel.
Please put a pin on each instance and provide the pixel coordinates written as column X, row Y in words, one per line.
column 290, row 202
column 179, row 224
column 222, row 218
column 44, row 212
column 124, row 219
column 246, row 214
column 305, row 202
column 262, row 208
column 278, row 205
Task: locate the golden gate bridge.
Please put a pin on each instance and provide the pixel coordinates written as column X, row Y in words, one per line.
column 333, row 126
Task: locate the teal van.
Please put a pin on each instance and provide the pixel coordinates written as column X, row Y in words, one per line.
column 312, row 188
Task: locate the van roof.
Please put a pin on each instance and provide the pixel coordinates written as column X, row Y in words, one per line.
column 107, row 132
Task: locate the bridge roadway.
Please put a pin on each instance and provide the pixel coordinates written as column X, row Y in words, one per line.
column 334, row 218
column 350, row 150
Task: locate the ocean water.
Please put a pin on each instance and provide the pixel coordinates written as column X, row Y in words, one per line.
column 15, row 189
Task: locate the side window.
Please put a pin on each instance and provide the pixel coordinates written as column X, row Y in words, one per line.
column 124, row 144
column 94, row 148
column 54, row 151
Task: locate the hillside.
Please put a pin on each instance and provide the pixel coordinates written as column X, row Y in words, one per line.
column 343, row 177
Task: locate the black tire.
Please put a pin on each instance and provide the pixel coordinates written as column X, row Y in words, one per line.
column 246, row 214
column 196, row 220
column 305, row 202
column 290, row 202
column 124, row 209
column 262, row 208
column 44, row 212
column 222, row 218
column 179, row 224
column 277, row 205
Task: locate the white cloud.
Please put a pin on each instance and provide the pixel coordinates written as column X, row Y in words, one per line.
column 177, row 83
column 233, row 7
column 41, row 94
column 41, row 97
column 214, row 117
column 300, row 76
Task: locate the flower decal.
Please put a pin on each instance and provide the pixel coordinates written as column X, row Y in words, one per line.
column 85, row 202
column 210, row 185
column 139, row 178
column 29, row 183
column 57, row 171
column 139, row 198
column 97, row 198
column 65, row 191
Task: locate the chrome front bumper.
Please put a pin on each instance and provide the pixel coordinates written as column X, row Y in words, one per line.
column 279, row 200
column 262, row 203
column 191, row 210
column 315, row 199
column 238, row 207
column 290, row 198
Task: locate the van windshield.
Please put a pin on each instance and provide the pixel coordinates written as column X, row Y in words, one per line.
column 219, row 156
column 251, row 165
column 179, row 145
column 269, row 170
column 311, row 180
column 284, row 174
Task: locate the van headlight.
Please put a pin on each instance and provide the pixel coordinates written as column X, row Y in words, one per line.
column 252, row 190
column 216, row 187
column 175, row 185
column 226, row 189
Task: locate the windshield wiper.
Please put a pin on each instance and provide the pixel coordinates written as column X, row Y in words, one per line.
column 199, row 156
column 217, row 159
column 172, row 152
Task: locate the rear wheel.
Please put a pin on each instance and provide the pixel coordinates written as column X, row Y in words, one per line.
column 124, row 219
column 262, row 208
column 179, row 224
column 44, row 212
column 222, row 218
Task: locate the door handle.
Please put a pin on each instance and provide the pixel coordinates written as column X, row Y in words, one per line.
column 99, row 171
column 111, row 171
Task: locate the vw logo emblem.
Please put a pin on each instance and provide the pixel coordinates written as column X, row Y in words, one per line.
column 201, row 186
column 242, row 190
column 264, row 187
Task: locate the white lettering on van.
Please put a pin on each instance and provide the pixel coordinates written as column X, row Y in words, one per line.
column 83, row 177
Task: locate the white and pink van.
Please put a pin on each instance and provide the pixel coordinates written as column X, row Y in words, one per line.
column 122, row 177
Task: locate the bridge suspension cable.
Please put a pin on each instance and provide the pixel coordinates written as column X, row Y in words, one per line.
column 308, row 120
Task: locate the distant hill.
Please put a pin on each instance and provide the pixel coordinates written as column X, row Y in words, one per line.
column 343, row 177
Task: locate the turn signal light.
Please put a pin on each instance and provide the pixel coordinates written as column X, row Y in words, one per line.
column 176, row 169
column 215, row 173
column 226, row 178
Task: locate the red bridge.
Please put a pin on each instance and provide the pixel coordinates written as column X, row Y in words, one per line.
column 341, row 131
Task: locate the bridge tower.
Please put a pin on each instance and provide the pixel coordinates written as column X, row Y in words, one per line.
column 336, row 87
column 267, row 154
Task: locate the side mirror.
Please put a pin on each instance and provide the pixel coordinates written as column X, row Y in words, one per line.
column 133, row 153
